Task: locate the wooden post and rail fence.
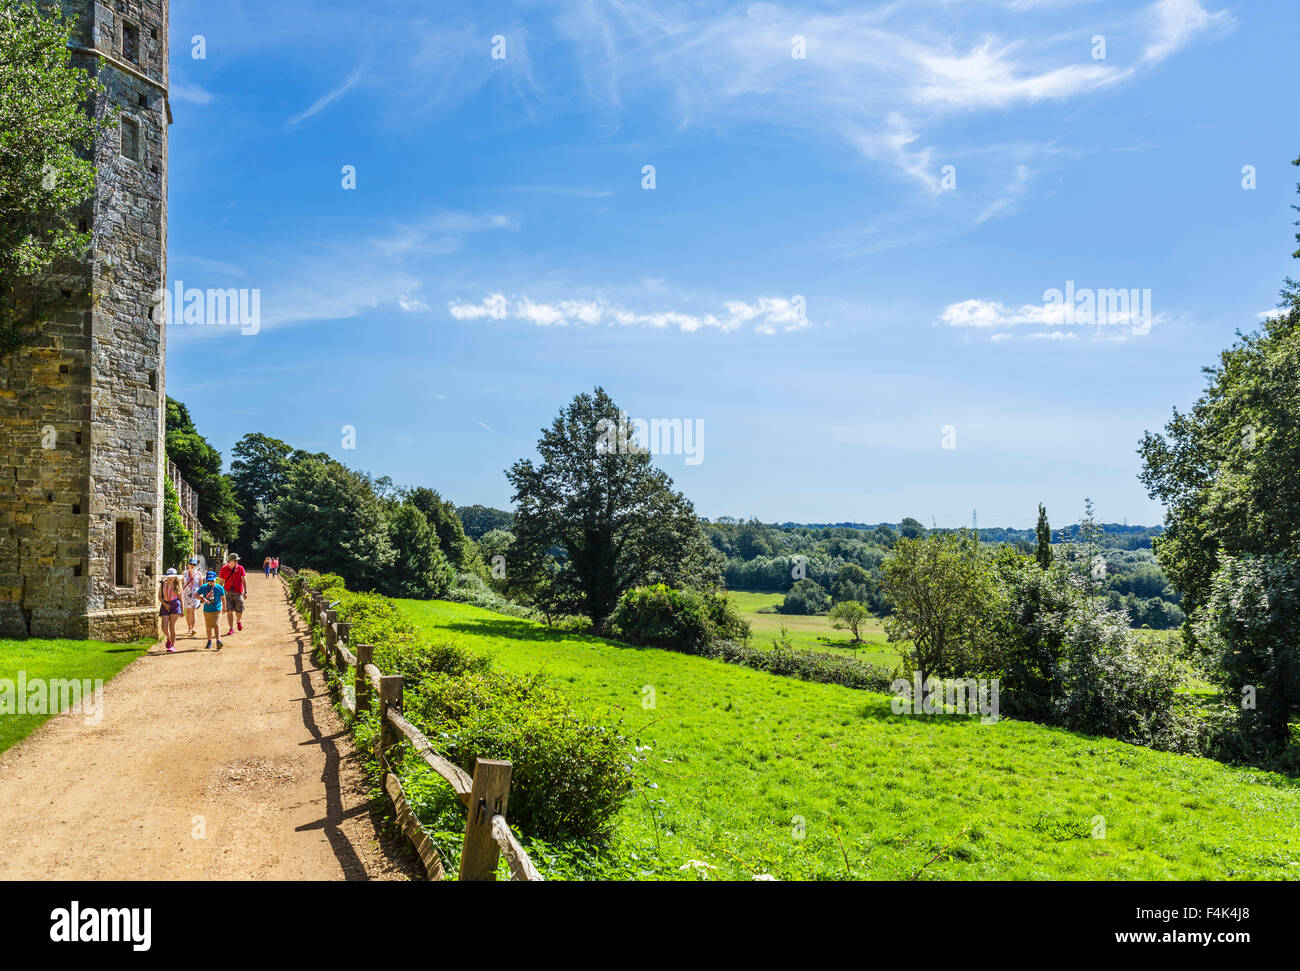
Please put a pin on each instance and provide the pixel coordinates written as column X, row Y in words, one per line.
column 485, row 793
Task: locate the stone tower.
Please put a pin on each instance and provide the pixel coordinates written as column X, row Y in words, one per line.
column 81, row 407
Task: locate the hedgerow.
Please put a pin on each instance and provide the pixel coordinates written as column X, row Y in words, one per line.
column 570, row 776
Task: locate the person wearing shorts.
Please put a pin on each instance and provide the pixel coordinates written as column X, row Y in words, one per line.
column 266, row 567
column 170, row 598
column 191, row 580
column 211, row 594
column 233, row 579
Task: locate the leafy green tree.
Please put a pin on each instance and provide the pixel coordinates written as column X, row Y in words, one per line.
column 329, row 519
column 943, row 594
column 46, row 171
column 442, row 516
column 419, row 568
column 611, row 517
column 178, row 543
column 1250, row 623
column 200, row 465
column 850, row 615
column 1044, row 531
column 911, row 528
column 805, row 597
column 258, row 474
column 1228, row 470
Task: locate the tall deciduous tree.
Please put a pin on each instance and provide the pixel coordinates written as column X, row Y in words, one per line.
column 330, row 519
column 943, row 594
column 612, row 517
column 1228, row 471
column 45, row 168
column 258, row 474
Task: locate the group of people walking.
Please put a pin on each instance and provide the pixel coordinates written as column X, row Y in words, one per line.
column 210, row 593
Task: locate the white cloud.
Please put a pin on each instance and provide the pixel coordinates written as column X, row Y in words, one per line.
column 327, row 99
column 1178, row 23
column 191, row 93
column 1114, row 314
column 766, row 315
column 410, row 304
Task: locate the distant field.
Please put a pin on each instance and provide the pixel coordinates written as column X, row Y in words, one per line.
column 811, row 632
column 746, row 773
column 56, row 659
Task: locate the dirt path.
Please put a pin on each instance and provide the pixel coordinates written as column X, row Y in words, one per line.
column 206, row 765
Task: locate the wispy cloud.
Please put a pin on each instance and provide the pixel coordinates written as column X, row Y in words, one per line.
column 1177, row 23
column 765, row 315
column 327, row 99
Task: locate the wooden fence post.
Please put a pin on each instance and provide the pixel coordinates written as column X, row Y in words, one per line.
column 390, row 696
column 365, row 655
column 478, row 857
column 331, row 616
column 341, row 641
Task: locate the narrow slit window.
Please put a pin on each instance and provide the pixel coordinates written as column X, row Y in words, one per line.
column 130, row 140
column 123, row 554
column 131, row 43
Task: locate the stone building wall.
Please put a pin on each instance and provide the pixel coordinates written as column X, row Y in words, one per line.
column 82, row 408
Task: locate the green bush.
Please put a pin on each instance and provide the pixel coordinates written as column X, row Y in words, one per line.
column 805, row 597
column 569, row 776
column 470, row 588
column 819, row 666
column 684, row 620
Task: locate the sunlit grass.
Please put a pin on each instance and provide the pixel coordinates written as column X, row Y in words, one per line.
column 752, row 773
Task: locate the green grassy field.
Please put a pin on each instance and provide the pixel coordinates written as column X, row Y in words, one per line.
column 57, row 659
column 814, row 632
column 746, row 773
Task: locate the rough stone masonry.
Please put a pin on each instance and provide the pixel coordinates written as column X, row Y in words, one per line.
column 81, row 406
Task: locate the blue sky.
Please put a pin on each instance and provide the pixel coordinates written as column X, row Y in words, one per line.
column 499, row 252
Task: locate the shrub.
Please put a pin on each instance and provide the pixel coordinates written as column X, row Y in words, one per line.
column 819, row 666
column 470, row 588
column 569, row 777
column 684, row 620
column 805, row 597
column 1115, row 686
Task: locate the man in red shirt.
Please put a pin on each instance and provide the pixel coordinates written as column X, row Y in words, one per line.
column 232, row 578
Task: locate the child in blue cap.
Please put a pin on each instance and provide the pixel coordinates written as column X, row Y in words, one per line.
column 210, row 594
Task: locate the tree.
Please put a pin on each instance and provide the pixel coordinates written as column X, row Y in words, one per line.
column 1228, row 470
column 805, row 597
column 850, row 615
column 258, row 474
column 943, row 595
column 1044, row 552
column 178, row 544
column 611, row 518
column 1250, row 624
column 442, row 516
column 911, row 528
column 330, row 519
column 419, row 568
column 46, row 169
column 200, row 465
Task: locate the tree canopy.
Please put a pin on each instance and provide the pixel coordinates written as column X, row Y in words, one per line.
column 608, row 519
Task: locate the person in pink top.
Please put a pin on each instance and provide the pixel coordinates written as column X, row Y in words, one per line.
column 233, row 579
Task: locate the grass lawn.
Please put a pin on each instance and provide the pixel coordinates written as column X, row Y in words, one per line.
column 750, row 773
column 813, row 633
column 55, row 659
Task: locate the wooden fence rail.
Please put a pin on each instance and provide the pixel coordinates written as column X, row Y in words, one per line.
column 485, row 793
